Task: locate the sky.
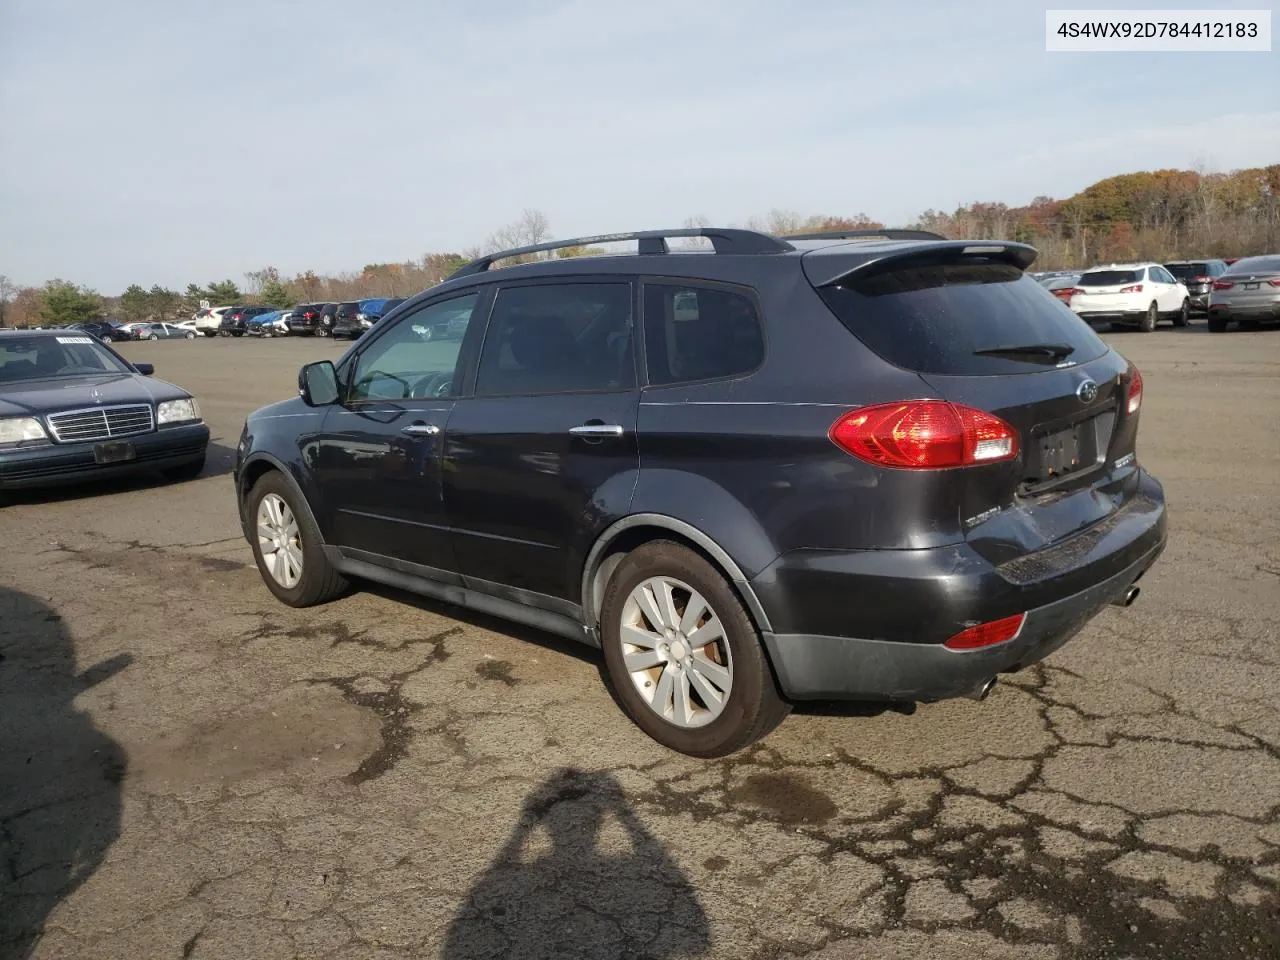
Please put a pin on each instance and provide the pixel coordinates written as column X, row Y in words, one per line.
column 167, row 141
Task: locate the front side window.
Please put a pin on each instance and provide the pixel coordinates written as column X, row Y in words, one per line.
column 699, row 333
column 558, row 338
column 417, row 358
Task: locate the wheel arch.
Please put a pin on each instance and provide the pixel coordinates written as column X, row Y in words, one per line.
column 625, row 535
column 256, row 466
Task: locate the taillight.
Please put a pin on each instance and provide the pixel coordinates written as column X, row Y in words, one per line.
column 924, row 435
column 1135, row 392
column 987, row 634
column 1274, row 282
column 1222, row 284
column 1136, row 288
column 1201, row 279
column 1068, row 292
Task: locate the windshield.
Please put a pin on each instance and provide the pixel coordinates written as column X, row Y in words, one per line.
column 935, row 315
column 1110, row 278
column 39, row 358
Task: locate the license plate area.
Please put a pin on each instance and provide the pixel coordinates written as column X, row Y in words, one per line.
column 1056, row 455
column 1252, row 286
column 114, row 451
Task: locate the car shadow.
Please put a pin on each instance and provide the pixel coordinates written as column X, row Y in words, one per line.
column 579, row 876
column 219, row 461
column 59, row 775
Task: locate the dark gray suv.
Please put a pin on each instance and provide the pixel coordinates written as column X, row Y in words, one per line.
column 878, row 466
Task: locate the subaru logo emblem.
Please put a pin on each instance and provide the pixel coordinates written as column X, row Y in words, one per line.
column 1087, row 391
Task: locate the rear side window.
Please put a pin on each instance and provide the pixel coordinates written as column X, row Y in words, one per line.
column 934, row 316
column 558, row 338
column 1109, row 278
column 699, row 333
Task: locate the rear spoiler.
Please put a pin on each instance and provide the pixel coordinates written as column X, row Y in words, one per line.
column 827, row 265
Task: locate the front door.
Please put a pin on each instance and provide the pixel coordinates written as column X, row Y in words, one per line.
column 379, row 456
column 546, row 447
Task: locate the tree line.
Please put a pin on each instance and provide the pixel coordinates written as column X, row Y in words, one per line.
column 1151, row 215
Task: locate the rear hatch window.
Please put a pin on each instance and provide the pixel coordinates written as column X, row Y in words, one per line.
column 1110, row 278
column 347, row 310
column 941, row 316
column 1185, row 271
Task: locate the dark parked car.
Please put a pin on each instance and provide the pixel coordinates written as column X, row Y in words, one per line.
column 71, row 410
column 236, row 320
column 880, row 467
column 1198, row 276
column 304, row 320
column 162, row 331
column 355, row 317
column 104, row 330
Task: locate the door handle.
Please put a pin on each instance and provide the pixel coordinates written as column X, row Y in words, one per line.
column 421, row 429
column 596, row 431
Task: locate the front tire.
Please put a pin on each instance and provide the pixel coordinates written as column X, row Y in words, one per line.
column 683, row 656
column 287, row 547
column 191, row 336
column 1183, row 316
column 153, row 337
column 1150, row 318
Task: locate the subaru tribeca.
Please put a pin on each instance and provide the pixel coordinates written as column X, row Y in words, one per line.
column 874, row 467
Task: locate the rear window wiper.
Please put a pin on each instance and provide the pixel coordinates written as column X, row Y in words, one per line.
column 1035, row 352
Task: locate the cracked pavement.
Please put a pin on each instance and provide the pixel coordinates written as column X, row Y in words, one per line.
column 189, row 769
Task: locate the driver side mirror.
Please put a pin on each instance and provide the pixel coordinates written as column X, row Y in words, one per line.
column 318, row 384
column 146, row 369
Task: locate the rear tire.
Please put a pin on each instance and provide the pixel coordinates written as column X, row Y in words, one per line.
column 319, row 582
column 1217, row 323
column 1150, row 318
column 753, row 705
column 1183, row 316
column 153, row 337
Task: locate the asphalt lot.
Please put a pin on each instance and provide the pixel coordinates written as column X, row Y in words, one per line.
column 189, row 769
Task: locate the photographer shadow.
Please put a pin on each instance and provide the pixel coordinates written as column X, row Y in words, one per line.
column 59, row 775
column 580, row 876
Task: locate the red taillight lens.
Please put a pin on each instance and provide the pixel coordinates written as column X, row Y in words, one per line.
column 1222, row 284
column 924, row 435
column 1275, row 282
column 1135, row 288
column 1201, row 279
column 987, row 634
column 1067, row 293
column 1135, row 392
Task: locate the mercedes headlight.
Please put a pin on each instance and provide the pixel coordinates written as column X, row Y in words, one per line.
column 18, row 429
column 177, row 411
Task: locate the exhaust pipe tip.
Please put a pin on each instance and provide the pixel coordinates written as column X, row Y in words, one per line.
column 1128, row 597
column 981, row 692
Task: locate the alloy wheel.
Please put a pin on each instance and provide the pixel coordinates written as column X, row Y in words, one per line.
column 279, row 541
column 676, row 652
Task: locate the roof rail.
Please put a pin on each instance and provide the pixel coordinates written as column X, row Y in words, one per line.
column 723, row 240
column 868, row 235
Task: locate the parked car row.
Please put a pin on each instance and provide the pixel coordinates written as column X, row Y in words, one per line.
column 1245, row 290
column 347, row 320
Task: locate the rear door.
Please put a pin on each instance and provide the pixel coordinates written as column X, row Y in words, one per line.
column 980, row 333
column 1171, row 290
column 545, row 450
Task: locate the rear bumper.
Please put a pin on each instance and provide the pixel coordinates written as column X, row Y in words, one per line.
column 871, row 625
column 1111, row 316
column 65, row 463
column 1258, row 311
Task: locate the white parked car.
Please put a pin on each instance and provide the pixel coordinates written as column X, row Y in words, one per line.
column 209, row 321
column 1131, row 294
